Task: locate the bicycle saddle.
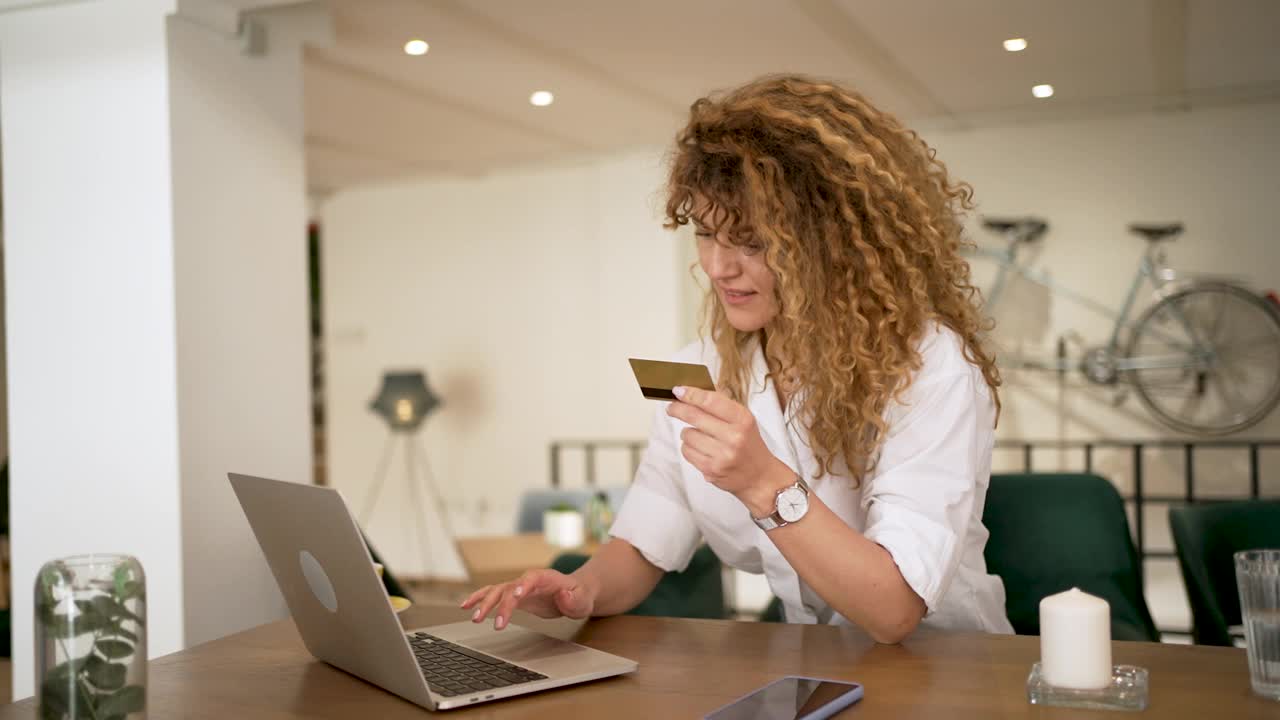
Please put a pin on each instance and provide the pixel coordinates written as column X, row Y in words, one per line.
column 1157, row 232
column 1030, row 228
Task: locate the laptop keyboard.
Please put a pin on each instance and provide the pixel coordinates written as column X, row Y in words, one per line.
column 453, row 670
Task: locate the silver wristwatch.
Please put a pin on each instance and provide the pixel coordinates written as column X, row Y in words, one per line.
column 790, row 505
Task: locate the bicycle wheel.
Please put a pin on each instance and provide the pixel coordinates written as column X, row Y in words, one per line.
column 1214, row 355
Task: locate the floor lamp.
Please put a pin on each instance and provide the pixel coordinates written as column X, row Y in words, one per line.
column 404, row 402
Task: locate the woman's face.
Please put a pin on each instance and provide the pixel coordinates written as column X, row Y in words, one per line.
column 737, row 272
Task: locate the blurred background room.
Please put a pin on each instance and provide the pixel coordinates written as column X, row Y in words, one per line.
column 404, row 248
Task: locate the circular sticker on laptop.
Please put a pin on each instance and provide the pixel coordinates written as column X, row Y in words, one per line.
column 318, row 580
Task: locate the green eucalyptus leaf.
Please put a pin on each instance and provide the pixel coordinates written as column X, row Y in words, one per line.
column 110, row 608
column 55, row 695
column 120, row 576
column 45, row 610
column 89, row 618
column 62, row 671
column 119, row 631
column 46, row 603
column 60, row 627
column 84, row 701
column 54, row 575
column 104, row 675
column 126, row 700
column 114, row 649
column 131, row 589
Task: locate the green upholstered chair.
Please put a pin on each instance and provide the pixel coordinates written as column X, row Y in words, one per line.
column 698, row 592
column 389, row 580
column 1206, row 537
column 773, row 611
column 1053, row 532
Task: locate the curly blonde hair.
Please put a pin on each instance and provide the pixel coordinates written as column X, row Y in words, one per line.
column 861, row 229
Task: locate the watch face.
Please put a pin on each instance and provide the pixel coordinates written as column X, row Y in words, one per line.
column 792, row 504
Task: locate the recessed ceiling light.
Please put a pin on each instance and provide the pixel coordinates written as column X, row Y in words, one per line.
column 1042, row 91
column 1015, row 44
column 416, row 47
column 542, row 98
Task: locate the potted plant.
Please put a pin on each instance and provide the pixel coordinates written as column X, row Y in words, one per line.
column 91, row 645
column 563, row 526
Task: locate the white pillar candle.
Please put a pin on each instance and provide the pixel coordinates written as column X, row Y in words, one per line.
column 1075, row 640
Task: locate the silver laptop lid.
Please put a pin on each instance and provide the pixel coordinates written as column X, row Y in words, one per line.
column 324, row 570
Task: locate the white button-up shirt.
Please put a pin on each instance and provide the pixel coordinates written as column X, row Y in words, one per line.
column 923, row 501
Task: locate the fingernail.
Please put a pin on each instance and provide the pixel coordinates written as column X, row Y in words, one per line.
column 500, row 623
column 678, row 391
column 518, row 591
column 476, row 617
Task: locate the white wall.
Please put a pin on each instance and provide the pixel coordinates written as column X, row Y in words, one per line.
column 155, row 279
column 240, row 266
column 88, row 241
column 522, row 295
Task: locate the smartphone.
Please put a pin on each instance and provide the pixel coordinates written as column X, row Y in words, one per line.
column 792, row 698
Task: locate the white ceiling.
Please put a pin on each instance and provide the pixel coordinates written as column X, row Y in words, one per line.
column 625, row 71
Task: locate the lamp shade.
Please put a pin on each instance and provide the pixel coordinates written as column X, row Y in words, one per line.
column 405, row 400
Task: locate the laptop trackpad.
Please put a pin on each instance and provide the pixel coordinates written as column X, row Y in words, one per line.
column 517, row 645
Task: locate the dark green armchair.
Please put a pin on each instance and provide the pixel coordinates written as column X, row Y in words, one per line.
column 1053, row 532
column 1207, row 537
column 698, row 592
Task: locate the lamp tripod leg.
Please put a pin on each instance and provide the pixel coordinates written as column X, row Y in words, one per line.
column 419, row 510
column 379, row 477
column 429, row 480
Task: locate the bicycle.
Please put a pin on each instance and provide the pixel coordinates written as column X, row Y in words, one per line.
column 1203, row 358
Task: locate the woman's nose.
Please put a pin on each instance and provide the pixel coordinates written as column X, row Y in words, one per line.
column 722, row 262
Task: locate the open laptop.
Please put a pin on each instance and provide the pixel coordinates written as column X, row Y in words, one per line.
column 341, row 609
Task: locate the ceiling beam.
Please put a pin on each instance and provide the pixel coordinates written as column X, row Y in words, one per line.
column 1169, row 49
column 324, row 60
column 1027, row 114
column 868, row 54
column 559, row 56
column 16, row 5
column 396, row 164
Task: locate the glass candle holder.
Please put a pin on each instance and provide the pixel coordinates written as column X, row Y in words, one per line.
column 91, row 638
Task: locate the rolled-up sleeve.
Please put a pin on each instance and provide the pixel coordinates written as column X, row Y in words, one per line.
column 920, row 498
column 655, row 516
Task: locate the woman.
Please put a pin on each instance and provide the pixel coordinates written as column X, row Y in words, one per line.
column 847, row 450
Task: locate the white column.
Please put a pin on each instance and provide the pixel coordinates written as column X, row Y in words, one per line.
column 156, row 295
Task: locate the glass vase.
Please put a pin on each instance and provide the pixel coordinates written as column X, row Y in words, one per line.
column 91, row 638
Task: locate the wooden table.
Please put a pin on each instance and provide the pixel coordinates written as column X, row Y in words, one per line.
column 499, row 558
column 689, row 667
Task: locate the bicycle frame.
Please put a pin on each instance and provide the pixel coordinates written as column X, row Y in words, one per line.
column 1151, row 268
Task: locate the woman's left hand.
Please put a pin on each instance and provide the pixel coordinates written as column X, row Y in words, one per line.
column 724, row 444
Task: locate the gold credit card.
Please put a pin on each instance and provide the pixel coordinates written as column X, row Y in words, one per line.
column 656, row 377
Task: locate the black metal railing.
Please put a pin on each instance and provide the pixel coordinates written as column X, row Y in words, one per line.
column 1137, row 450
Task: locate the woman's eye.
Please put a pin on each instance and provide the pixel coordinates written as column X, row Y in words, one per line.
column 752, row 248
